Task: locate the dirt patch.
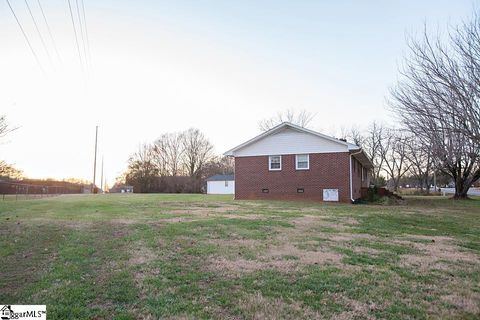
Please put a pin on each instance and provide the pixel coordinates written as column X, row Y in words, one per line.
column 323, row 256
column 347, row 237
column 357, row 309
column 306, row 222
column 250, row 243
column 248, row 216
column 467, row 304
column 202, row 210
column 435, row 251
column 256, row 306
column 141, row 254
column 309, row 222
column 177, row 219
column 284, row 258
column 124, row 221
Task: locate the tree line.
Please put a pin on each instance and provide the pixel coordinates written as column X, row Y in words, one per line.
column 175, row 162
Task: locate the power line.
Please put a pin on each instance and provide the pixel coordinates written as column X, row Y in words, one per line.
column 75, row 31
column 49, row 31
column 86, row 32
column 39, row 33
column 81, row 33
column 26, row 38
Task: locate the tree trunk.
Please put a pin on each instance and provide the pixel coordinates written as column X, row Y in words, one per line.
column 427, row 183
column 461, row 189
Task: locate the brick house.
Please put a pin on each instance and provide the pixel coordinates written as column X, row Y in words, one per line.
column 289, row 162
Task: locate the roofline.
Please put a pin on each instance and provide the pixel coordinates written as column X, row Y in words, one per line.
column 294, row 126
column 221, row 175
column 362, row 151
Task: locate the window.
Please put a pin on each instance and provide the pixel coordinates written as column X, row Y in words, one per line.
column 302, row 162
column 226, row 183
column 275, row 163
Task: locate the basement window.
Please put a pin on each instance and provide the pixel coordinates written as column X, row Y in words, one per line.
column 302, row 162
column 275, row 163
column 300, row 190
column 265, row 190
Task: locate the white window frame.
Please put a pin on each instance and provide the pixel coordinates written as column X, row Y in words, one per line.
column 270, row 163
column 308, row 162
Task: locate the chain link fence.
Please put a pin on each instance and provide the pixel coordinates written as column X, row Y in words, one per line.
column 24, row 191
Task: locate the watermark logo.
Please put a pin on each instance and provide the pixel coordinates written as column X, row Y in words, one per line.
column 8, row 312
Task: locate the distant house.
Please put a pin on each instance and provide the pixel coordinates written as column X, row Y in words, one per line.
column 122, row 189
column 291, row 162
column 221, row 184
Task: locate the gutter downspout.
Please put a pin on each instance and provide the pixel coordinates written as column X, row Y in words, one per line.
column 351, row 175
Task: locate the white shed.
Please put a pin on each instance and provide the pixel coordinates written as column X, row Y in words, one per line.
column 221, row 184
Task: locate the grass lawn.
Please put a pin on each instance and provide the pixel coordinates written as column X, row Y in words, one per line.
column 195, row 256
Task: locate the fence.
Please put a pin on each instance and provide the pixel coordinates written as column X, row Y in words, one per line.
column 21, row 191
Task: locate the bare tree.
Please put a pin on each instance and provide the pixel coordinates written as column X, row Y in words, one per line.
column 466, row 44
column 9, row 171
column 301, row 118
column 437, row 99
column 393, row 151
column 142, row 170
column 372, row 144
column 197, row 150
column 219, row 165
column 169, row 151
column 355, row 136
column 420, row 159
column 5, row 127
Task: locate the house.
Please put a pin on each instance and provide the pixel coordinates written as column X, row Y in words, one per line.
column 289, row 162
column 221, row 184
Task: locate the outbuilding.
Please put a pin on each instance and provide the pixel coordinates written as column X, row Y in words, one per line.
column 221, row 184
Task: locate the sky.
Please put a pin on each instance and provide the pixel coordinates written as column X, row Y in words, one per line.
column 151, row 67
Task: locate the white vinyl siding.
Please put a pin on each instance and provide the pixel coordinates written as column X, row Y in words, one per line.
column 275, row 163
column 302, row 162
column 290, row 141
column 221, row 187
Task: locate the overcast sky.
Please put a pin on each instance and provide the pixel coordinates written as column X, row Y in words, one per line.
column 220, row 66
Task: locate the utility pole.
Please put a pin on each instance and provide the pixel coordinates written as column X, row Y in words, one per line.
column 95, row 160
column 101, row 178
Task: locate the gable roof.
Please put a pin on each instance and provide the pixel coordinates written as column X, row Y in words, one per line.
column 283, row 125
column 221, row 177
column 356, row 151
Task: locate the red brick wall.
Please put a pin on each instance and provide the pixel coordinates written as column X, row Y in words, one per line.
column 327, row 171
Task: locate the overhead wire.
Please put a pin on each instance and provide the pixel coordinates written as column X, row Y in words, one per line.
column 26, row 37
column 39, row 33
column 81, row 34
column 86, row 32
column 49, row 31
column 76, row 37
